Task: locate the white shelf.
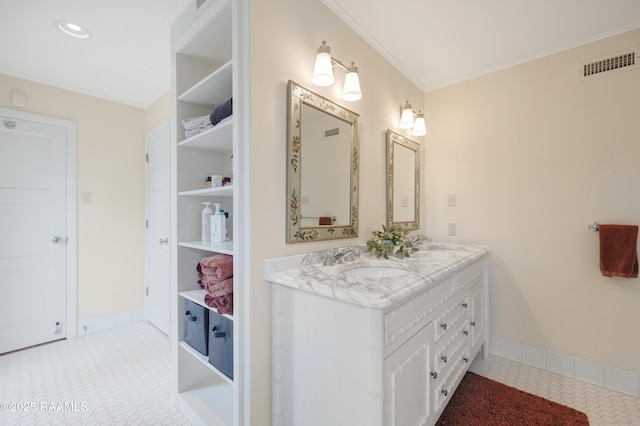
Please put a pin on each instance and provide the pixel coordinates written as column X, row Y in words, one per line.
column 213, row 90
column 197, row 296
column 218, row 138
column 225, row 247
column 211, row 405
column 217, row 191
column 205, row 361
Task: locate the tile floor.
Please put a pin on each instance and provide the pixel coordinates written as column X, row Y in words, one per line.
column 604, row 407
column 122, row 376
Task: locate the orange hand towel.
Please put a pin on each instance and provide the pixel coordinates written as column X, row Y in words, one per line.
column 618, row 250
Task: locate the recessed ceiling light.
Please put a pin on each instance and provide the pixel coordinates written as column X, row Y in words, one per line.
column 74, row 30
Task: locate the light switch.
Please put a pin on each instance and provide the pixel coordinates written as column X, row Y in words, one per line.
column 404, row 201
column 451, row 200
column 452, row 230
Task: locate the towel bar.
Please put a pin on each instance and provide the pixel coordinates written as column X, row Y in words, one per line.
column 593, row 227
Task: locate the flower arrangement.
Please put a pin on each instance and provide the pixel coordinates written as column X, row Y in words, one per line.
column 391, row 241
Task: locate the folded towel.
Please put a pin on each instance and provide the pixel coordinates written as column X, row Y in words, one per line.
column 219, row 288
column 223, row 304
column 618, row 250
column 222, row 111
column 324, row 220
column 195, row 122
column 218, row 265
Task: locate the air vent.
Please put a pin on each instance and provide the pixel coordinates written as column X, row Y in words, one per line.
column 609, row 64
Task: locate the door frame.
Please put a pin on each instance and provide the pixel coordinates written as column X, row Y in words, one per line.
column 71, row 193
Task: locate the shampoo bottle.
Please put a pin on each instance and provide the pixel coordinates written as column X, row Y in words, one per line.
column 206, row 222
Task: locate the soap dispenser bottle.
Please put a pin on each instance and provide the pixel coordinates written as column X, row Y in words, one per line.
column 206, row 221
column 217, row 226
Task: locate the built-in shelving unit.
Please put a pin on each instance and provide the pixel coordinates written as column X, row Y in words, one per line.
column 204, row 77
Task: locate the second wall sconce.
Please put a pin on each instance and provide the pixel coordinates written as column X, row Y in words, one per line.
column 411, row 120
column 323, row 73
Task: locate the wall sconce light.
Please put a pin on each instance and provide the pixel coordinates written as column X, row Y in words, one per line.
column 323, row 73
column 411, row 120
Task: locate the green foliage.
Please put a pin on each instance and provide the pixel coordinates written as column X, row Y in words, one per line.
column 391, row 241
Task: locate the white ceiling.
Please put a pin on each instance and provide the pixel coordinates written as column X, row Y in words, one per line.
column 127, row 58
column 434, row 43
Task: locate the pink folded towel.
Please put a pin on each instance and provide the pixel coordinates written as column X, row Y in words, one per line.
column 218, row 265
column 220, row 288
column 223, row 304
column 618, row 250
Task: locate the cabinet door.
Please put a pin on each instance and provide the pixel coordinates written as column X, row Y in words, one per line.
column 407, row 387
column 476, row 295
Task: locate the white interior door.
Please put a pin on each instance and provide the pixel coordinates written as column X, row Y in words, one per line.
column 158, row 227
column 33, row 233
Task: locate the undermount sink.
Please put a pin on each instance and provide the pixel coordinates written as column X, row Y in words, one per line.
column 375, row 271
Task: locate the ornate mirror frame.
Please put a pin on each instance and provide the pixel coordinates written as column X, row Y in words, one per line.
column 296, row 233
column 395, row 140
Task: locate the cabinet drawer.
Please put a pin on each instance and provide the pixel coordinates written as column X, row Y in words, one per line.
column 469, row 275
column 450, row 316
column 451, row 347
column 412, row 315
column 446, row 384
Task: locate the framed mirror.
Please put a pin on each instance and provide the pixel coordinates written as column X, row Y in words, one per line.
column 403, row 181
column 322, row 164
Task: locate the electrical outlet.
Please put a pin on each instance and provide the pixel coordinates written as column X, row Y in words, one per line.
column 452, row 230
column 451, row 200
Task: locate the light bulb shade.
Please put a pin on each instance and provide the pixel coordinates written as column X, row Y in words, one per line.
column 323, row 69
column 406, row 119
column 351, row 90
column 419, row 128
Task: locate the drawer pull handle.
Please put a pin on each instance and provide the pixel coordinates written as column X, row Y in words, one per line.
column 444, row 325
column 473, row 323
column 444, row 358
column 434, row 374
column 445, row 392
column 465, row 332
column 218, row 333
column 466, row 359
column 464, row 305
column 190, row 317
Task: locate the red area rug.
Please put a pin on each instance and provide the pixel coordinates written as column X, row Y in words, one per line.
column 479, row 401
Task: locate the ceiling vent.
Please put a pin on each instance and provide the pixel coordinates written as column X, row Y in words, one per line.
column 623, row 61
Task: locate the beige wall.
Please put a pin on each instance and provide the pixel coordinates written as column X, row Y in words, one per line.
column 158, row 112
column 110, row 164
column 289, row 53
column 534, row 155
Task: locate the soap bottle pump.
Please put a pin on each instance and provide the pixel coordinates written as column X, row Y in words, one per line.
column 206, row 222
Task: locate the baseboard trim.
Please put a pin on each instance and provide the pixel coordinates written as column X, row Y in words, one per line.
column 606, row 376
column 91, row 325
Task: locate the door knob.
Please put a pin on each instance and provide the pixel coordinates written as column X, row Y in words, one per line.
column 57, row 240
column 164, row 241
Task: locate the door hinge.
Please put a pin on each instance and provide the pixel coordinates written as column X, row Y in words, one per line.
column 146, row 225
column 146, row 290
column 146, row 156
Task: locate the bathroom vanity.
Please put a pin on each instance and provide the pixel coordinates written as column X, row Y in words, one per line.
column 375, row 342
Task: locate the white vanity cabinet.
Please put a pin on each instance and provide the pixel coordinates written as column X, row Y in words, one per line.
column 344, row 363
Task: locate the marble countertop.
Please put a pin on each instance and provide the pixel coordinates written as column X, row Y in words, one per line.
column 424, row 269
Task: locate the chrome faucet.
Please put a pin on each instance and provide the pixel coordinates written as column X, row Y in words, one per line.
column 333, row 256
